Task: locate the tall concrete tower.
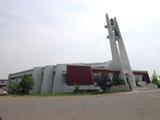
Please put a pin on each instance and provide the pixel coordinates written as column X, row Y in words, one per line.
column 119, row 55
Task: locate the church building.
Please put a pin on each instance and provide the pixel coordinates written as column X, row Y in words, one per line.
column 63, row 77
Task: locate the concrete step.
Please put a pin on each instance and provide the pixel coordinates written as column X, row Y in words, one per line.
column 146, row 87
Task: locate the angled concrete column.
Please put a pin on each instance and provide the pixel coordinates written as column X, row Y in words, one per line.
column 37, row 78
column 124, row 57
column 47, row 82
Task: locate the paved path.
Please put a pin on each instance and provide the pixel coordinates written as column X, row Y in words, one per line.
column 123, row 106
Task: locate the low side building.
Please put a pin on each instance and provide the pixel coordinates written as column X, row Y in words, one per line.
column 3, row 84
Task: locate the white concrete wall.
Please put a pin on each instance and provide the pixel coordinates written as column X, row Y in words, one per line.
column 37, row 78
column 47, row 82
column 59, row 78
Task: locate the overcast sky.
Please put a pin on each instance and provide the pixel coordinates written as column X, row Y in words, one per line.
column 47, row 32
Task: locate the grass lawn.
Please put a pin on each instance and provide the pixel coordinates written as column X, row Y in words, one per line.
column 114, row 89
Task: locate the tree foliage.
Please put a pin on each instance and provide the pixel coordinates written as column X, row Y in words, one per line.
column 26, row 84
column 14, row 85
column 155, row 79
column 103, row 82
column 76, row 87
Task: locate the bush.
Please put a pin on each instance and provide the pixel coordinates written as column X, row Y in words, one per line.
column 118, row 82
column 158, row 84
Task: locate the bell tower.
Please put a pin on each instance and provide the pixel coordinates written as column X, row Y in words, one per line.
column 119, row 55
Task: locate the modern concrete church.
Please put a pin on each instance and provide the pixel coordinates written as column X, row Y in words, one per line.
column 62, row 77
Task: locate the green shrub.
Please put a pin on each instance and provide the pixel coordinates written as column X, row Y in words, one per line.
column 118, row 82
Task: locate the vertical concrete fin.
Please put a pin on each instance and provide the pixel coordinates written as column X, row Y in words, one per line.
column 47, row 82
column 37, row 78
column 59, row 78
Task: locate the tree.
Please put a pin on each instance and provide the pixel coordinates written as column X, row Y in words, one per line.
column 103, row 82
column 155, row 79
column 14, row 85
column 26, row 84
column 76, row 88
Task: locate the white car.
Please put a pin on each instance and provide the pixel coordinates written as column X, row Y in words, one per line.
column 3, row 92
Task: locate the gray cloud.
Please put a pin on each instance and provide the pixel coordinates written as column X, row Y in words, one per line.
column 37, row 32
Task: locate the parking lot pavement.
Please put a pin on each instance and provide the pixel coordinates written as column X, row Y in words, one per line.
column 122, row 106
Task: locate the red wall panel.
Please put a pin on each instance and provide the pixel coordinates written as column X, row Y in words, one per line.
column 81, row 75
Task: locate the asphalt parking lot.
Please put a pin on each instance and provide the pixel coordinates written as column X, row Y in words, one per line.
column 122, row 106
